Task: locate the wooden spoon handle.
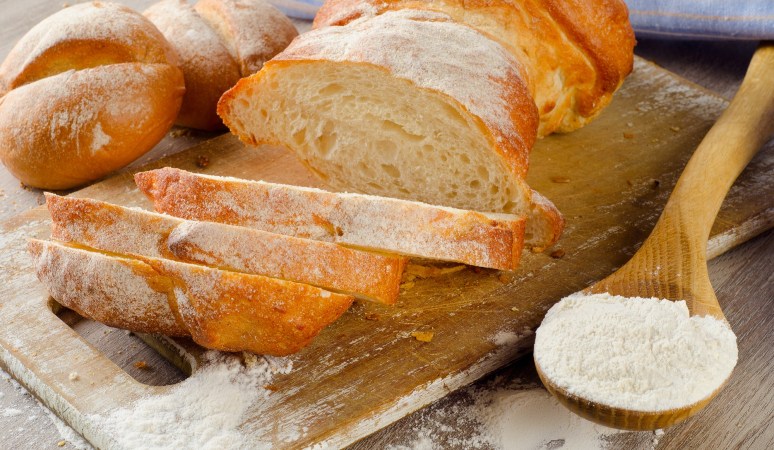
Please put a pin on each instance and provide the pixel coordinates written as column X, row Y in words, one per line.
column 741, row 131
column 672, row 262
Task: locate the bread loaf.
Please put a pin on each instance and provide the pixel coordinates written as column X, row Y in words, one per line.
column 361, row 221
column 219, row 41
column 575, row 53
column 406, row 104
column 219, row 309
column 85, row 92
column 135, row 232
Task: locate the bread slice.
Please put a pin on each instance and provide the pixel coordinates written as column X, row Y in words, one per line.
column 406, row 104
column 357, row 220
column 117, row 291
column 116, row 229
column 219, row 309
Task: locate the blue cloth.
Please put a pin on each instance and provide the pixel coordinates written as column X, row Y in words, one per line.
column 703, row 19
column 689, row 19
column 299, row 9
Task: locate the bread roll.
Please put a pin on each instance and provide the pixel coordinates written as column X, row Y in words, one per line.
column 576, row 53
column 219, row 41
column 86, row 91
column 406, row 104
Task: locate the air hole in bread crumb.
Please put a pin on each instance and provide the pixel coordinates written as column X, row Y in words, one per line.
column 244, row 103
column 331, row 89
column 325, row 144
column 387, row 149
column 365, row 168
column 475, row 184
column 483, row 172
column 299, row 137
column 391, row 170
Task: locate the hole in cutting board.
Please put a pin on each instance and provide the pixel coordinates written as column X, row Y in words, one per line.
column 125, row 349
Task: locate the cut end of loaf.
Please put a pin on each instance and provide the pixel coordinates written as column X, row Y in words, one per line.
column 419, row 147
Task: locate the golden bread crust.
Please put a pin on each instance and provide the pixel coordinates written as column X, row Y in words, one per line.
column 378, row 223
column 218, row 309
column 89, row 90
column 119, row 292
column 233, row 312
column 219, row 41
column 116, row 229
column 576, row 53
column 208, row 67
column 254, row 30
column 75, row 127
column 81, row 37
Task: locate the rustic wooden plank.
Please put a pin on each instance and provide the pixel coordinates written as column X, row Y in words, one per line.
column 481, row 320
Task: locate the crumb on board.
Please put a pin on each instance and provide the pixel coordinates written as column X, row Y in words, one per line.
column 537, row 249
column 675, row 128
column 423, row 336
column 421, row 271
column 561, row 180
column 202, row 161
column 558, row 253
column 628, row 135
column 179, row 132
column 73, row 376
column 514, row 309
column 142, row 365
column 61, row 443
column 371, row 316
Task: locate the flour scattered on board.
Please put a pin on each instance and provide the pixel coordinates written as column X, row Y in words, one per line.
column 508, row 418
column 205, row 411
column 65, row 432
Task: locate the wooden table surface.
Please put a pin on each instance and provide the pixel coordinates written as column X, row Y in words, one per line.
column 742, row 416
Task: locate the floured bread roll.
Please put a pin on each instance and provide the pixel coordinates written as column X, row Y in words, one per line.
column 85, row 92
column 408, row 104
column 576, row 53
column 219, row 42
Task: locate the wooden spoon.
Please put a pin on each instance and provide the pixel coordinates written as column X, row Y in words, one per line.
column 672, row 262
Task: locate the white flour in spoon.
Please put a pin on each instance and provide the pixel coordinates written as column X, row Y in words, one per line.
column 642, row 354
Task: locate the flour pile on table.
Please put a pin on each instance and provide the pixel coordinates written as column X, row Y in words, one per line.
column 204, row 412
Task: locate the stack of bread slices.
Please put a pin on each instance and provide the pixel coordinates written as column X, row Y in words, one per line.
column 249, row 265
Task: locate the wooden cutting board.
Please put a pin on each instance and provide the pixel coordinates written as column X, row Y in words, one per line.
column 610, row 180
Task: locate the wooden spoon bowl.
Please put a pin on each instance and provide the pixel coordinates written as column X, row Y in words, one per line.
column 624, row 419
column 672, row 263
